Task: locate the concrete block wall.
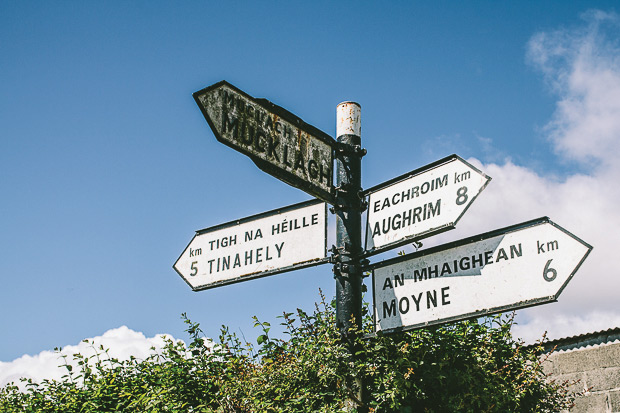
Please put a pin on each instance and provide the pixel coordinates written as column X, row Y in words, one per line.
column 595, row 368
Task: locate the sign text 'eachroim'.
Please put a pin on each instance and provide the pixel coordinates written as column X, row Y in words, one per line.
column 421, row 203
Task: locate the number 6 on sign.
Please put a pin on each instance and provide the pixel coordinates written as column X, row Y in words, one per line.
column 485, row 274
column 548, row 270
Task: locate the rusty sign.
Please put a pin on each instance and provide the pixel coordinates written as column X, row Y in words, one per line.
column 278, row 142
column 514, row 267
column 421, row 203
column 269, row 243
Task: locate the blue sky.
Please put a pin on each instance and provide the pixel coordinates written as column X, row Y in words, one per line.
column 108, row 167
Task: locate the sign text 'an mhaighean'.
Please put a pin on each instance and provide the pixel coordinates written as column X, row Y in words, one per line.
column 421, row 203
column 514, row 267
column 269, row 243
column 278, row 142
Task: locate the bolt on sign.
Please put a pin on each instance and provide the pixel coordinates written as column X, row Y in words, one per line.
column 278, row 142
column 518, row 266
column 269, row 243
column 421, row 203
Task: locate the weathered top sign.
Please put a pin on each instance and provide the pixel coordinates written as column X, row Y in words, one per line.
column 269, row 243
column 514, row 267
column 278, row 142
column 421, row 203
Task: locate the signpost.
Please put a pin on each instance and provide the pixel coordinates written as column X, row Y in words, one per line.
column 422, row 203
column 278, row 142
column 510, row 268
column 270, row 243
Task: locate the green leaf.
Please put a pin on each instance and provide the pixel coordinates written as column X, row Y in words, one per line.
column 261, row 339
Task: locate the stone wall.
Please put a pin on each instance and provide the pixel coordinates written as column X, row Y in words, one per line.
column 593, row 361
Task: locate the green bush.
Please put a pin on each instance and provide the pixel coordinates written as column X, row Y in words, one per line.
column 469, row 366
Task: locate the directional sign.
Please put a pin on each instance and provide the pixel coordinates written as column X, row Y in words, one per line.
column 514, row 267
column 421, row 203
column 278, row 142
column 269, row 243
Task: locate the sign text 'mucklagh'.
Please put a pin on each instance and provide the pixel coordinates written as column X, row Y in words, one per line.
column 278, row 142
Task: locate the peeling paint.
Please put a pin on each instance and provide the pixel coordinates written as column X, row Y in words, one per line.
column 277, row 141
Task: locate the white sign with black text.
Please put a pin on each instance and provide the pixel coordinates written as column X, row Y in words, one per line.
column 269, row 243
column 278, row 142
column 515, row 267
column 421, row 203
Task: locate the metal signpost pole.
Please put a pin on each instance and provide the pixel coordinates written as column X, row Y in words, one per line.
column 511, row 268
column 348, row 208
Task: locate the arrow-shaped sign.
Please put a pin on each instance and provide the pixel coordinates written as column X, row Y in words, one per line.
column 265, row 244
column 514, row 267
column 278, row 142
column 421, row 203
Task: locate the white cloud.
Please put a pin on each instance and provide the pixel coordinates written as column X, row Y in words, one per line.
column 565, row 325
column 582, row 66
column 121, row 342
